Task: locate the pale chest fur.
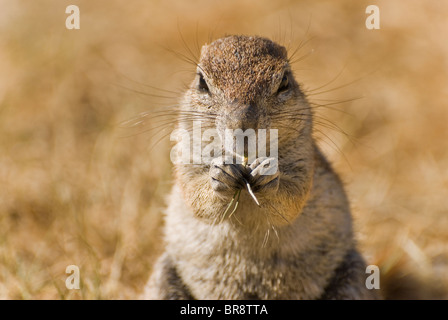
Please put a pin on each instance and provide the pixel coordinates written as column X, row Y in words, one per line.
column 217, row 262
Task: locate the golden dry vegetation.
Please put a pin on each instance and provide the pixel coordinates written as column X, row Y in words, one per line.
column 75, row 189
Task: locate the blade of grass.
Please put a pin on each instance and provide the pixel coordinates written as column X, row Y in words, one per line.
column 249, row 189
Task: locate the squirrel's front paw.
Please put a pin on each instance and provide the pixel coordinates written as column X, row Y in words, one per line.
column 264, row 176
column 226, row 179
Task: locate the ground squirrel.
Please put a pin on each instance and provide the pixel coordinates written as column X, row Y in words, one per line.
column 298, row 242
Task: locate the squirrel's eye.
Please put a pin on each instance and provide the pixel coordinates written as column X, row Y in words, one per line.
column 284, row 85
column 202, row 85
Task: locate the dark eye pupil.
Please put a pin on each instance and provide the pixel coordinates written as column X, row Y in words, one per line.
column 202, row 84
column 284, row 85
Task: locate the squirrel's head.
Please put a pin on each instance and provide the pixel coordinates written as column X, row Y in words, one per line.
column 246, row 82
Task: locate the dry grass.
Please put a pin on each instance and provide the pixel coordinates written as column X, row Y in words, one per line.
column 73, row 192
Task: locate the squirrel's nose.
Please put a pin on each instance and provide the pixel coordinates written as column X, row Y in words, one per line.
column 242, row 117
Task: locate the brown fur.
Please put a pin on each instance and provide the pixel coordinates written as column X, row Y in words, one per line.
column 299, row 243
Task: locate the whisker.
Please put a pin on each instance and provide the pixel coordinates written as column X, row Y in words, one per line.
column 275, row 231
column 278, row 212
column 266, row 238
column 166, row 125
column 302, row 42
column 228, row 206
column 332, row 89
column 303, row 57
column 182, row 57
column 335, row 102
column 326, row 84
column 332, row 145
column 150, row 115
column 165, row 135
column 194, row 57
column 143, row 93
column 176, row 93
column 236, row 204
column 141, row 123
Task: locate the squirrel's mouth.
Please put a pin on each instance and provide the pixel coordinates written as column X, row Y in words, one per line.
column 251, row 177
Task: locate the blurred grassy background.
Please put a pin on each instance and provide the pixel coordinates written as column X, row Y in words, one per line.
column 73, row 191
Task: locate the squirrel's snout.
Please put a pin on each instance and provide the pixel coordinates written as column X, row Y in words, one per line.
column 242, row 117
